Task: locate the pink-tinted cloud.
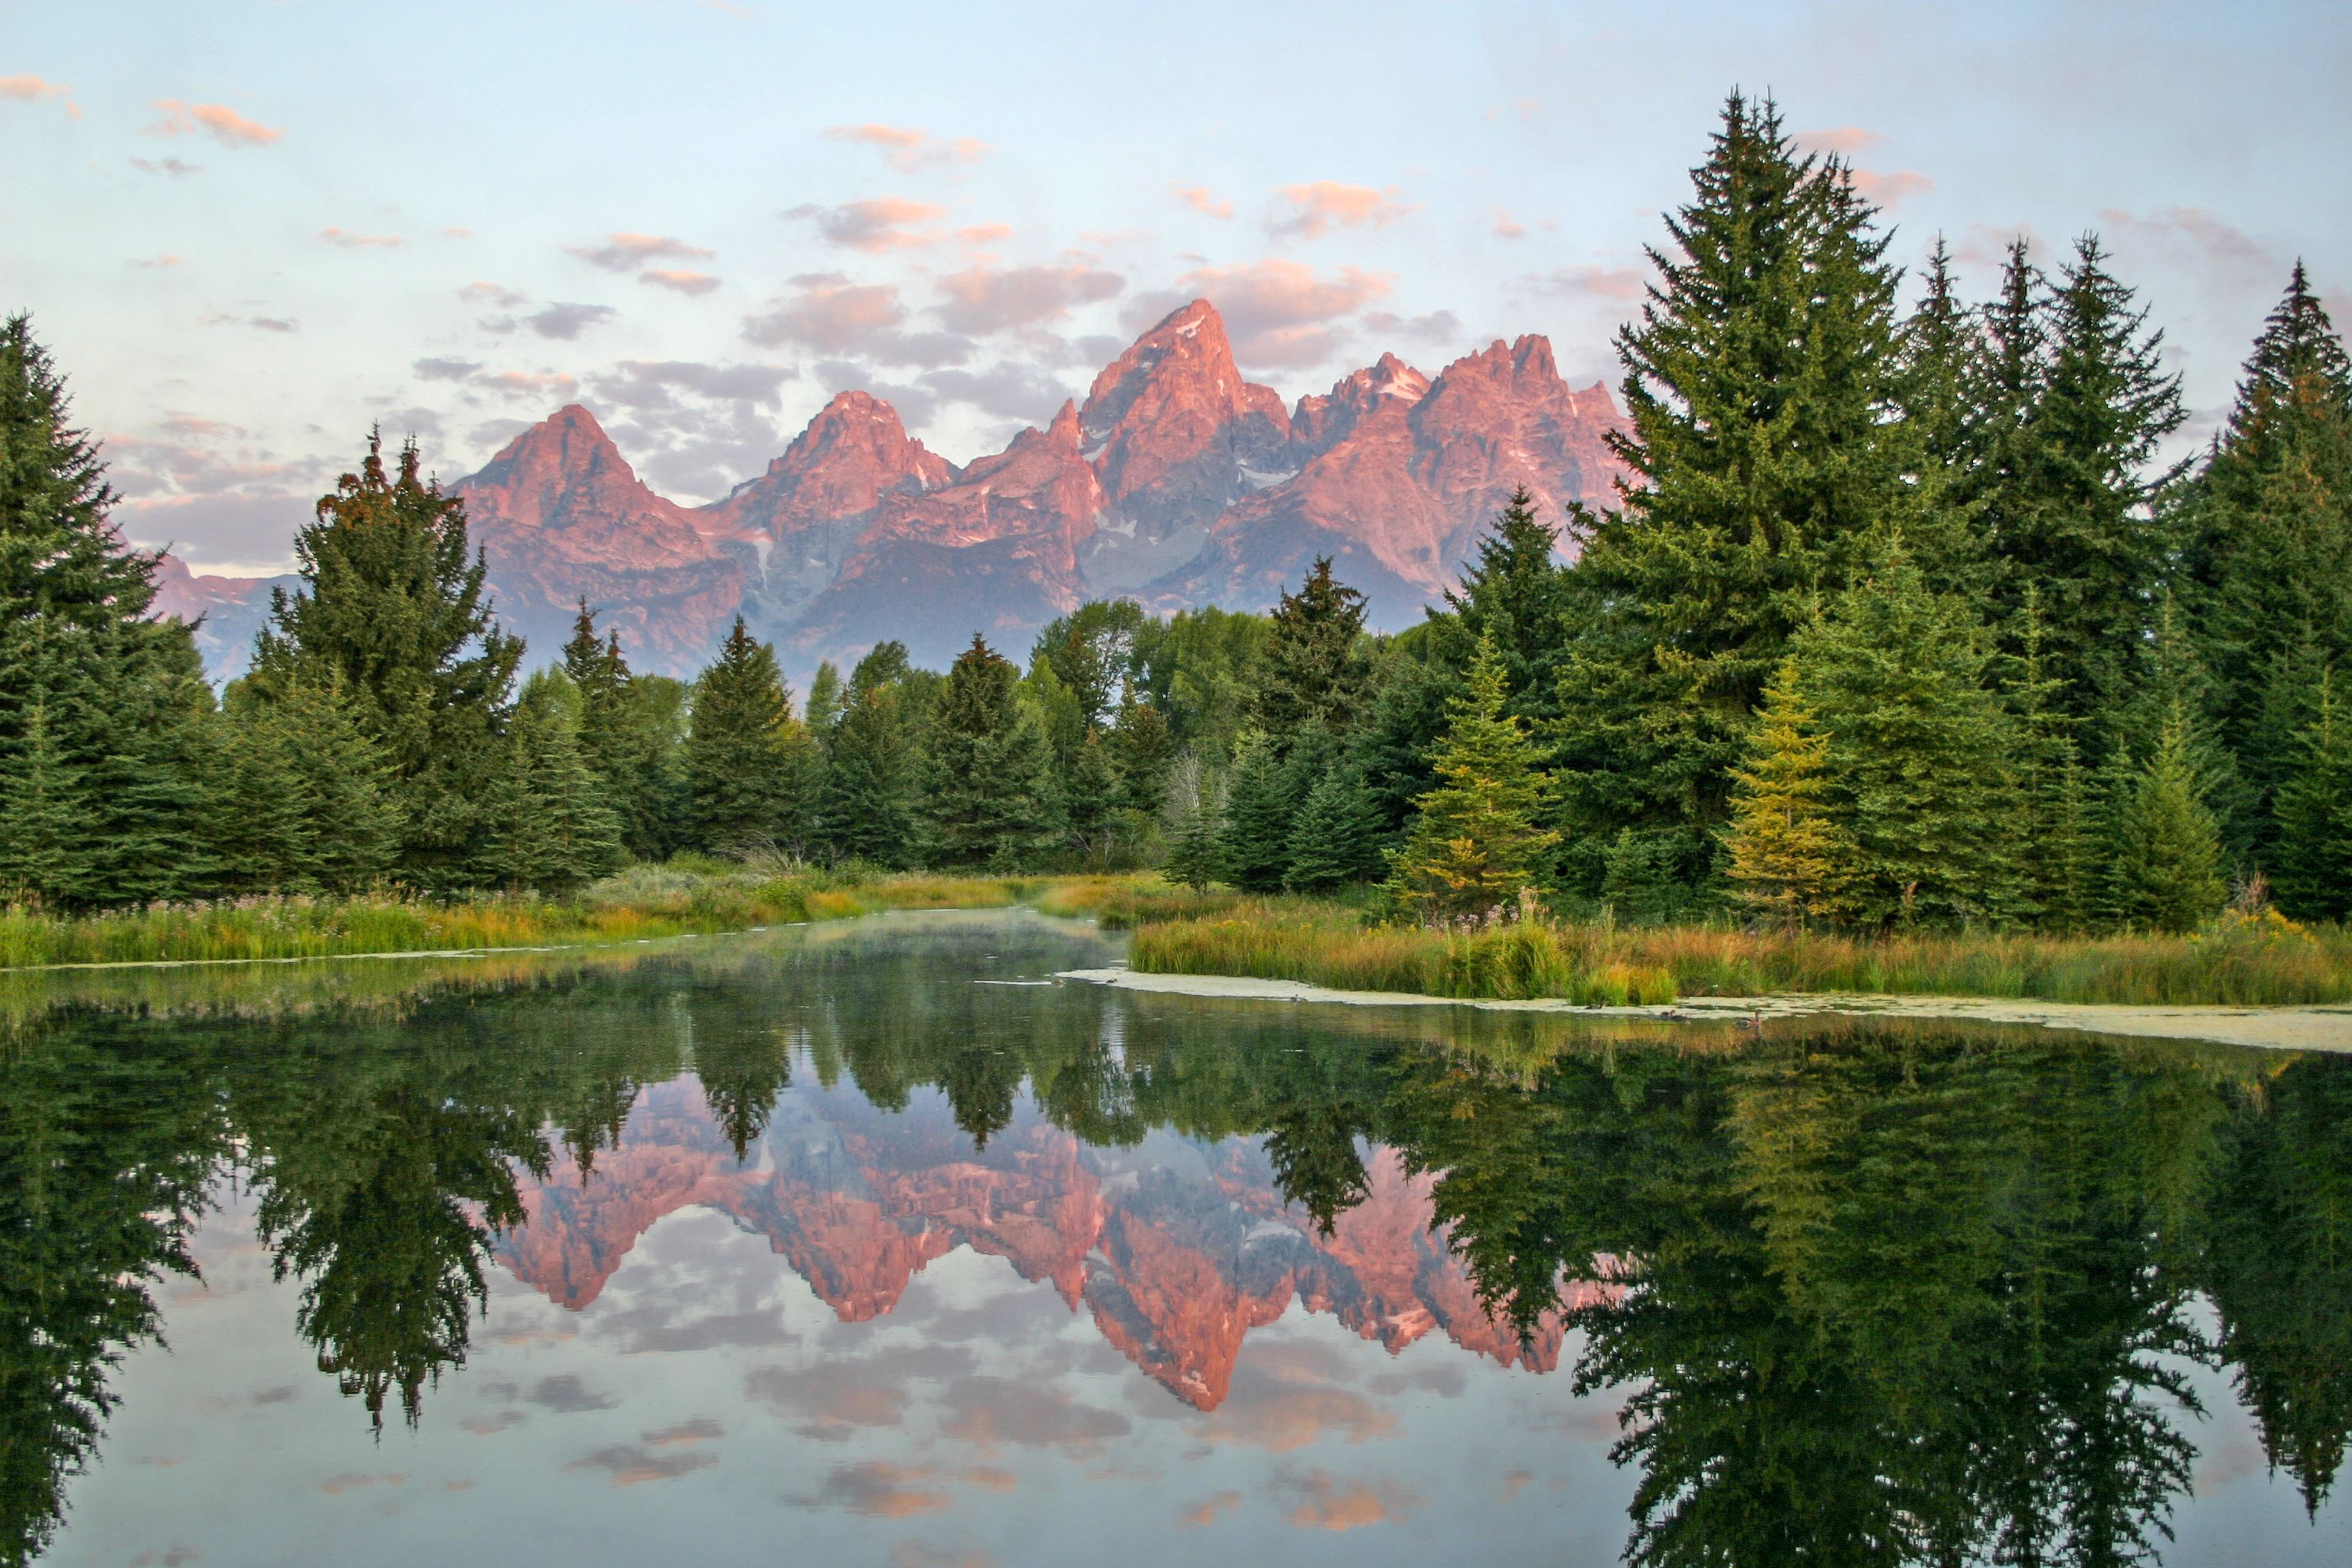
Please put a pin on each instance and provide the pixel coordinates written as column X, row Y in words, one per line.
column 881, row 1490
column 1321, row 206
column 1987, row 244
column 178, row 168
column 984, row 233
column 523, row 385
column 1436, row 327
column 828, row 312
column 1844, row 140
column 1607, row 282
column 1508, row 227
column 1280, row 314
column 350, row 1480
column 629, row 1465
column 483, row 292
column 628, row 252
column 220, row 123
column 349, row 241
column 678, row 280
column 1200, row 199
column 876, row 225
column 1210, row 1509
column 908, row 147
column 982, row 299
column 31, row 88
column 1890, row 190
column 2198, row 230
column 1327, row 1502
column 166, row 259
column 457, row 231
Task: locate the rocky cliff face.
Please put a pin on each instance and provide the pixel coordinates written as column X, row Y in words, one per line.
column 562, row 517
column 1175, row 1254
column 1176, row 481
column 227, row 612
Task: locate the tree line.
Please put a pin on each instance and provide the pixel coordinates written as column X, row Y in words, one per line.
column 1899, row 619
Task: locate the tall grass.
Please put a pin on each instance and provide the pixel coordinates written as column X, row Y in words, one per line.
column 684, row 897
column 2238, row 960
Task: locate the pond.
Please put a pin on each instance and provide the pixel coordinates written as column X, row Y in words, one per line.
column 871, row 1243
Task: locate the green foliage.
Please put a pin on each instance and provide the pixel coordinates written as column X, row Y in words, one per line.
column 304, row 800
column 1514, row 594
column 1312, row 673
column 1335, row 835
column 1196, row 668
column 2314, row 814
column 551, row 825
column 1476, row 845
column 867, row 808
column 392, row 613
column 748, row 763
column 632, row 736
column 989, row 789
column 1788, row 862
column 1196, row 828
column 2165, row 866
column 1253, row 851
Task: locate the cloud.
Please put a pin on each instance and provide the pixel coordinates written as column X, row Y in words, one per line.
column 982, row 299
column 457, row 231
column 566, row 322
column 1322, row 205
column 352, row 1480
column 1508, row 227
column 1437, row 327
column 1987, row 244
column 1890, row 190
column 223, row 124
column 627, row 252
column 1280, row 313
column 984, row 233
column 446, row 369
column 629, row 1465
column 1844, row 140
column 1198, row 198
column 678, row 280
column 828, row 313
column 1283, row 1401
column 831, row 1400
column 167, row 259
column 565, row 1394
column 2196, row 230
column 178, row 168
column 484, row 1426
column 360, row 241
column 210, row 318
column 1011, row 391
column 1608, row 283
column 1328, row 1503
column 880, row 1489
column 484, row 292
column 649, row 384
column 1208, row 1510
column 526, row 386
column 910, row 148
column 876, row 225
column 31, row 88
column 994, row 1411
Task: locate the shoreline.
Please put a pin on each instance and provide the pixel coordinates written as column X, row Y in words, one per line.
column 2314, row 1028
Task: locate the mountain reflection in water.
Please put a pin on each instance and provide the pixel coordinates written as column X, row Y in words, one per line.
column 1867, row 1292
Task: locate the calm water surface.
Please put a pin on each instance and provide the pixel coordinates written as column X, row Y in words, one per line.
column 864, row 1244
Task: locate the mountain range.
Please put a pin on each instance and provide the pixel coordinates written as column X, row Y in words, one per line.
column 1176, row 483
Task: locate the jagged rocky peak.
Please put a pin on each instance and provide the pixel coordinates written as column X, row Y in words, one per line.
column 1170, row 425
column 542, row 471
column 1322, row 422
column 855, row 452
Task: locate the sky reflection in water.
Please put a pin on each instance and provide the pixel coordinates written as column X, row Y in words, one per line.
column 807, row 1242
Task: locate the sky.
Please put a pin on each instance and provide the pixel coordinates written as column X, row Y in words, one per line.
column 249, row 231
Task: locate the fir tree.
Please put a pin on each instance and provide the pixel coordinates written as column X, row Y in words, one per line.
column 989, row 793
column 392, row 612
column 746, row 755
column 304, row 802
column 1311, row 672
column 551, row 826
column 1195, row 852
column 2058, row 853
column 1335, row 836
column 1788, row 862
column 1254, row 849
column 1476, row 842
column 824, row 709
column 1765, row 380
column 2313, row 868
column 2068, row 509
column 1141, row 753
column 2165, row 868
column 43, row 856
column 1513, row 594
column 624, row 737
column 1920, row 750
column 873, row 764
column 1943, row 346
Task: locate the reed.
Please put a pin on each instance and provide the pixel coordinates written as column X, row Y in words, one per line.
column 2236, row 961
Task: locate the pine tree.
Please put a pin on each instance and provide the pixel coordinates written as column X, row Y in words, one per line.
column 866, row 808
column 392, row 613
column 2313, row 868
column 1513, row 593
column 747, row 756
column 1141, row 753
column 124, row 710
column 1476, row 842
column 2069, row 511
column 990, row 797
column 551, row 826
column 1943, row 346
column 2165, row 873
column 2058, row 855
column 1254, row 849
column 626, row 742
column 1788, row 860
column 43, row 856
column 1920, row 751
column 1311, row 671
column 1335, row 836
column 1765, row 381
column 824, row 709
column 304, row 800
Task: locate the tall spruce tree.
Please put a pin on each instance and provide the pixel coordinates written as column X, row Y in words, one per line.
column 1477, row 842
column 626, row 738
column 1335, row 834
column 1513, row 593
column 551, row 826
column 989, row 795
column 1766, row 380
column 304, row 800
column 1311, row 671
column 1254, row 846
column 748, row 760
column 113, row 770
column 390, row 611
column 2312, row 865
column 2068, row 500
column 1921, row 752
column 1196, row 826
column 2165, row 863
column 1787, row 863
column 874, row 764
column 2058, row 847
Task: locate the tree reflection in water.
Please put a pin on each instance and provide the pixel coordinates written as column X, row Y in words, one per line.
column 1875, row 1292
